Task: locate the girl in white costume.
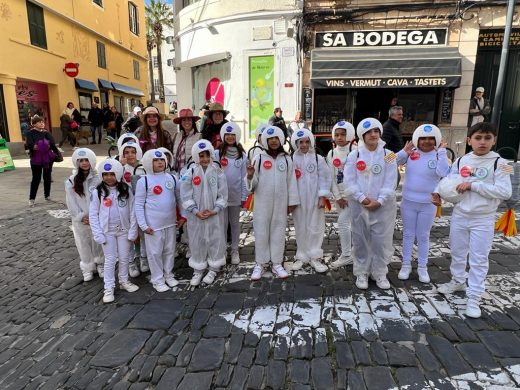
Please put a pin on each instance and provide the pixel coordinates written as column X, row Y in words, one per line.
column 233, row 160
column 78, row 188
column 204, row 196
column 370, row 181
column 313, row 182
column 343, row 133
column 426, row 163
column 272, row 178
column 113, row 224
column 156, row 202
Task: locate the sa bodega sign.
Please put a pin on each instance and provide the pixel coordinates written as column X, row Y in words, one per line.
column 419, row 37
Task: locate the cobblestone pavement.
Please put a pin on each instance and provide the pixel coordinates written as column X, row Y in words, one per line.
column 309, row 331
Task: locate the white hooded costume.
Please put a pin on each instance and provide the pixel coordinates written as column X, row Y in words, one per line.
column 275, row 188
column 373, row 175
column 313, row 181
column 90, row 252
column 205, row 189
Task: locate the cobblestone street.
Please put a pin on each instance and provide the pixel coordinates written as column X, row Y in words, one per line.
column 309, row 331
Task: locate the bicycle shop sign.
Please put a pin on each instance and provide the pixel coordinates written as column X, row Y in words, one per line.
column 419, row 37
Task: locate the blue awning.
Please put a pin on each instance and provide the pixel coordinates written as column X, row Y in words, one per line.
column 105, row 84
column 85, row 84
column 127, row 89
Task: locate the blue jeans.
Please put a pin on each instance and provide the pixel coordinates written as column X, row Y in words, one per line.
column 93, row 131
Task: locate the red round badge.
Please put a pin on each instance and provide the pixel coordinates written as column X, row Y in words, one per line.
column 128, row 177
column 268, row 164
column 336, row 162
column 107, row 202
column 361, row 165
column 465, row 171
column 415, row 156
column 298, row 173
column 157, row 190
column 224, row 162
column 196, row 180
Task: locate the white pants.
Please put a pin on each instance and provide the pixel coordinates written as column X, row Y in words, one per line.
column 160, row 249
column 417, row 223
column 344, row 230
column 372, row 237
column 117, row 246
column 473, row 236
column 309, row 224
column 90, row 252
column 207, row 242
column 232, row 216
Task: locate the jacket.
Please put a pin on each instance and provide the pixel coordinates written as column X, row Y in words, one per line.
column 211, row 132
column 392, row 135
column 95, row 116
column 79, row 205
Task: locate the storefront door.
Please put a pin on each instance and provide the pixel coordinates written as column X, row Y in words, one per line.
column 4, row 133
column 32, row 98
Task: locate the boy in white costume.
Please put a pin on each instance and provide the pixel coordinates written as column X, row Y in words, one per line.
column 370, row 181
column 313, row 182
column 156, row 201
column 484, row 181
column 78, row 188
column 272, row 178
column 343, row 133
column 204, row 196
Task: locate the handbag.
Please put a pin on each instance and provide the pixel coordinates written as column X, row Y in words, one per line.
column 74, row 125
column 111, row 125
column 59, row 157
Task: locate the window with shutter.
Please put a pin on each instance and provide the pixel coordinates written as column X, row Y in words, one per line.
column 36, row 25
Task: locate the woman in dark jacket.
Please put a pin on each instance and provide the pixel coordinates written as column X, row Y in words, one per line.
column 43, row 152
column 215, row 119
column 114, row 116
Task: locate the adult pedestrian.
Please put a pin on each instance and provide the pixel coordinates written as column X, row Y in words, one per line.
column 391, row 133
column 151, row 134
column 185, row 138
column 297, row 124
column 114, row 121
column 278, row 121
column 134, row 120
column 215, row 119
column 75, row 115
column 42, row 151
column 479, row 108
column 65, row 127
column 95, row 119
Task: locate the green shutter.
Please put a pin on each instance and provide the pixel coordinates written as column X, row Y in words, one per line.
column 36, row 25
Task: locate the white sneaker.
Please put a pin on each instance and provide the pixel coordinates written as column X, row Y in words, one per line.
column 257, row 272
column 101, row 270
column 48, row 199
column 188, row 253
column 161, row 287
column 294, row 266
column 235, row 257
column 171, row 281
column 128, row 286
column 318, row 266
column 404, row 273
column 108, row 295
column 473, row 308
column 362, row 282
column 31, row 202
column 210, row 277
column 133, row 270
column 279, row 271
column 196, row 278
column 88, row 276
column 143, row 264
column 424, row 277
column 341, row 262
column 383, row 283
column 451, row 287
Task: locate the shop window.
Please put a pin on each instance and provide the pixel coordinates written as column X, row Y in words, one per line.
column 85, row 104
column 104, row 97
column 98, row 2
column 101, row 59
column 137, row 76
column 36, row 25
column 185, row 3
column 119, row 103
column 133, row 18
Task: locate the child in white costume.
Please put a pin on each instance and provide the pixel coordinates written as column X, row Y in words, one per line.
column 233, row 160
column 78, row 188
column 484, row 181
column 113, row 224
column 313, row 182
column 272, row 178
column 343, row 133
column 204, row 196
column 370, row 181
column 156, row 202
column 426, row 163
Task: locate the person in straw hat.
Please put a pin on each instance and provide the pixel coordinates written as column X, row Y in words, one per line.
column 185, row 138
column 216, row 118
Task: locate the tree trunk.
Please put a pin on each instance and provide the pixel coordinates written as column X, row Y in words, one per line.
column 159, row 60
column 150, row 72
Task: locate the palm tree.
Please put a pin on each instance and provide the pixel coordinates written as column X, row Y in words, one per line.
column 150, row 44
column 158, row 15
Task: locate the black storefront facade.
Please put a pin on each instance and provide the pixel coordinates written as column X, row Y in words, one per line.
column 358, row 74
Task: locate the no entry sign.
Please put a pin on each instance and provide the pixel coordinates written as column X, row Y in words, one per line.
column 71, row 69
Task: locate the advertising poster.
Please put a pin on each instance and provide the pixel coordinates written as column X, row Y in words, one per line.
column 261, row 91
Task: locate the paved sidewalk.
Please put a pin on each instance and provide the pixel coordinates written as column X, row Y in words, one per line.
column 309, row 331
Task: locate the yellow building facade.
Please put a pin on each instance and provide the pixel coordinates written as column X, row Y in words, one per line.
column 104, row 39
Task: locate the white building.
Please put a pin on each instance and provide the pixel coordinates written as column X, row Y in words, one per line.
column 240, row 53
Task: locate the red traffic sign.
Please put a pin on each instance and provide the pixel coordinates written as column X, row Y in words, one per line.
column 71, row 69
